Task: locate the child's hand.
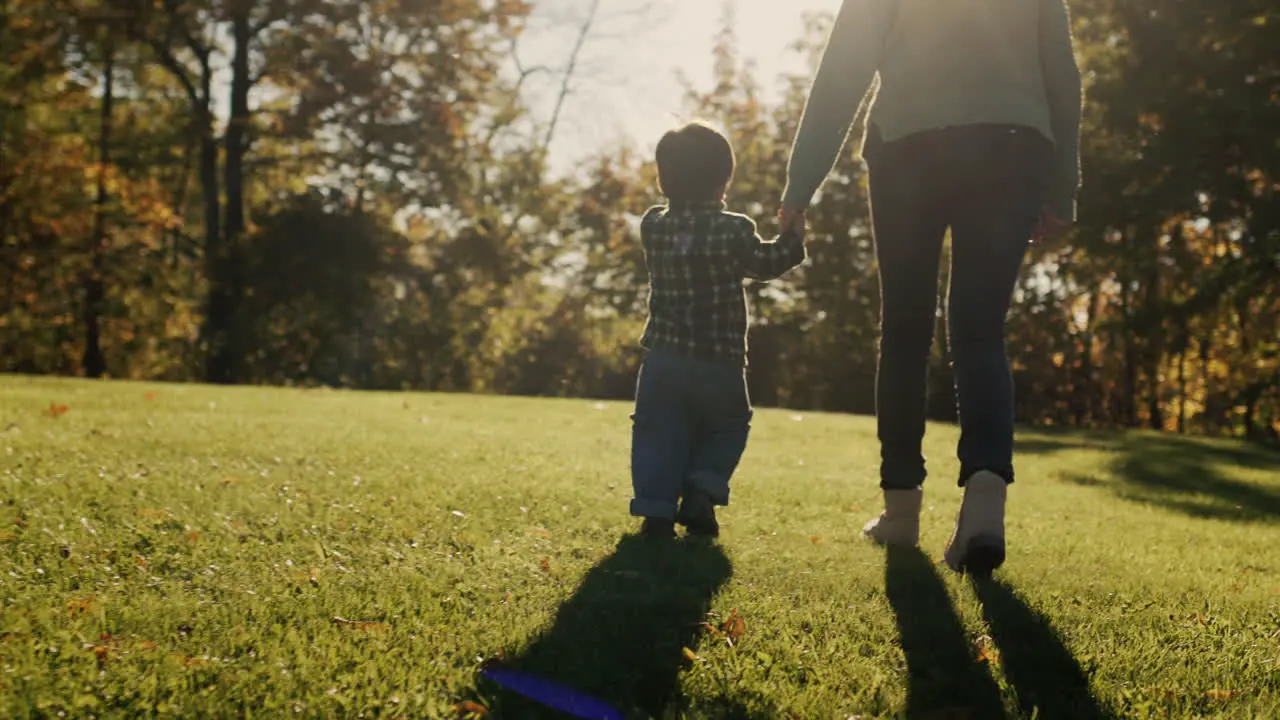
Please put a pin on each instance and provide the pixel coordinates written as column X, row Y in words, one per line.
column 791, row 220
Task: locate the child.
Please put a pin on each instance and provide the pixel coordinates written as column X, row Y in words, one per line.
column 692, row 411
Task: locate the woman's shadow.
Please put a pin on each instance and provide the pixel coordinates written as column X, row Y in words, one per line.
column 622, row 637
column 944, row 666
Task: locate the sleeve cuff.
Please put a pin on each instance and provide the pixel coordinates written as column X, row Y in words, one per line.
column 1064, row 206
column 796, row 197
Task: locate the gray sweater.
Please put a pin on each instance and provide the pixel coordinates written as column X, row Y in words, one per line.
column 944, row 63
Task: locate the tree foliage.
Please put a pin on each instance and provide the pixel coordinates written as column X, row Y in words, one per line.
column 355, row 193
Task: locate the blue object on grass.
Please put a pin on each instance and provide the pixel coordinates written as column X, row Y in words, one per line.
column 557, row 697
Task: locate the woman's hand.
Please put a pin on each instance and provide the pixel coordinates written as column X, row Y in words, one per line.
column 790, row 219
column 1050, row 227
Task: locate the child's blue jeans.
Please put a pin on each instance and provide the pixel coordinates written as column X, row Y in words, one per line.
column 688, row 432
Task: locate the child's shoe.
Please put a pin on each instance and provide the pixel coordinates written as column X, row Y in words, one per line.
column 698, row 514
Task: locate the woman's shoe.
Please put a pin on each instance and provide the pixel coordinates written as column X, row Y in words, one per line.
column 899, row 524
column 978, row 545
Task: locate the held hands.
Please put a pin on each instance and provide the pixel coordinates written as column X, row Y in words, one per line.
column 1050, row 228
column 791, row 220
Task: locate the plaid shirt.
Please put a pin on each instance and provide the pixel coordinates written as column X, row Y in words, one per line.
column 697, row 256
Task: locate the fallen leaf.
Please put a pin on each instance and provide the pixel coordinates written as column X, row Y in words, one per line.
column 193, row 662
column 815, row 539
column 543, row 532
column 734, row 627
column 467, row 708
column 230, row 481
column 141, row 561
column 690, row 655
column 56, row 411
column 459, row 513
column 364, row 625
column 1220, row 694
column 82, row 606
column 193, row 536
column 102, row 650
column 987, row 652
column 710, row 629
column 7, row 536
column 545, row 564
column 151, row 397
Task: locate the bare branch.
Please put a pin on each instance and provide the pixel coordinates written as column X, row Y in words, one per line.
column 175, row 68
column 176, row 20
column 566, row 83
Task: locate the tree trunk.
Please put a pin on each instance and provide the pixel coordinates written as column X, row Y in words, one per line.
column 1182, row 391
column 1129, row 414
column 1087, row 387
column 1206, row 345
column 225, row 271
column 1153, row 332
column 214, row 331
column 1252, row 392
column 94, row 363
column 238, row 124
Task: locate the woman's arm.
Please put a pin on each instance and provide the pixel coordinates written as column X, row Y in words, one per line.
column 1063, row 88
column 848, row 65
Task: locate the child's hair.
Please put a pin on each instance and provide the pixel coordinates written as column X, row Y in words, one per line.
column 695, row 163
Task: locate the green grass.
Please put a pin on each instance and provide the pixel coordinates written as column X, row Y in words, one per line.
column 184, row 551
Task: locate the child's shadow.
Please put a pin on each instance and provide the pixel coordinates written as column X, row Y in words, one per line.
column 621, row 637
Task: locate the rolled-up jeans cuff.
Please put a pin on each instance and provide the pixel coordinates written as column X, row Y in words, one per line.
column 643, row 507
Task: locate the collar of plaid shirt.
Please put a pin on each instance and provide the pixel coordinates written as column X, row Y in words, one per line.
column 696, row 205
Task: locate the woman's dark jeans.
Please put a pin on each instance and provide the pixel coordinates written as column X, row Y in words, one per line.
column 987, row 184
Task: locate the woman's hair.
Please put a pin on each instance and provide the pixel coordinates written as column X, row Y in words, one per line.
column 695, row 163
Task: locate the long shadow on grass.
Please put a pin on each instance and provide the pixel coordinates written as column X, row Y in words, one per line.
column 943, row 672
column 1189, row 476
column 1184, row 474
column 621, row 636
column 1048, row 680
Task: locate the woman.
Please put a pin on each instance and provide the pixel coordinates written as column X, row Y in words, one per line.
column 975, row 128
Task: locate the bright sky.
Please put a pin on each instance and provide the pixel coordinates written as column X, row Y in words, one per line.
column 628, row 87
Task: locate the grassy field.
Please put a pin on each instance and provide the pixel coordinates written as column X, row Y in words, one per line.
column 199, row 552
